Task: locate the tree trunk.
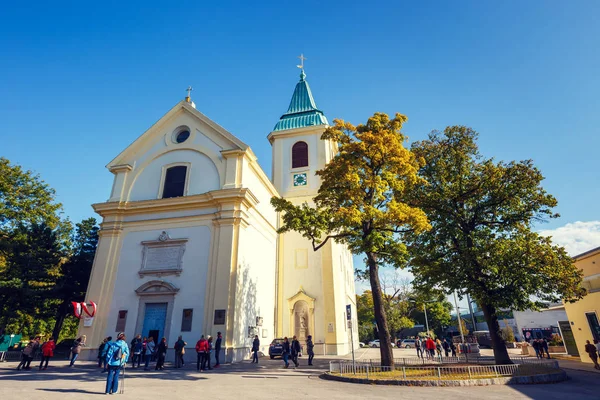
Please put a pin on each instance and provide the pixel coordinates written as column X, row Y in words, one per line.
column 500, row 352
column 61, row 313
column 385, row 346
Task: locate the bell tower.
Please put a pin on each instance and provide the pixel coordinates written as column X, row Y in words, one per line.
column 298, row 151
column 313, row 287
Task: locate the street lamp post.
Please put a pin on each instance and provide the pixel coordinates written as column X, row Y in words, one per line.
column 426, row 322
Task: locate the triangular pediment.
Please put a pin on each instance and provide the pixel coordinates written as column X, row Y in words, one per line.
column 185, row 113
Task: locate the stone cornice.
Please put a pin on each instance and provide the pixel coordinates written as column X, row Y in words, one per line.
column 234, row 198
column 115, row 169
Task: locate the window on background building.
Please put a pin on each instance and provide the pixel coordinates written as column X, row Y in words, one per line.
column 186, row 320
column 594, row 324
column 121, row 320
column 174, row 182
column 299, row 155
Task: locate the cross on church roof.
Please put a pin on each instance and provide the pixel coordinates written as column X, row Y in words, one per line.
column 302, row 58
column 189, row 92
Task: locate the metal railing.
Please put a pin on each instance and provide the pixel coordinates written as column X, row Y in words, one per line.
column 369, row 370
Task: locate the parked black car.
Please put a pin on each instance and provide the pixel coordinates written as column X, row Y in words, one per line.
column 276, row 348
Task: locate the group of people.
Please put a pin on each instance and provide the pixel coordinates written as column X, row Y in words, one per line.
column 204, row 350
column 291, row 350
column 47, row 349
column 540, row 346
column 427, row 348
column 593, row 351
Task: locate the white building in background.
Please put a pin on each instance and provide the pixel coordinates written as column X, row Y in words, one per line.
column 188, row 243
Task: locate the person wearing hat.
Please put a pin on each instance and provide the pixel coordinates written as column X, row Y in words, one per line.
column 310, row 346
column 116, row 358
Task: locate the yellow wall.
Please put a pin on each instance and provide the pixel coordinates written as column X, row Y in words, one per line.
column 590, row 265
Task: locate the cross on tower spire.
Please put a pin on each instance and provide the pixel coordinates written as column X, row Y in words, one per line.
column 302, row 58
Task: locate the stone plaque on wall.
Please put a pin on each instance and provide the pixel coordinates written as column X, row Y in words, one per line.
column 163, row 256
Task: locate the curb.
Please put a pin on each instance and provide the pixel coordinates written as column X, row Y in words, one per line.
column 515, row 380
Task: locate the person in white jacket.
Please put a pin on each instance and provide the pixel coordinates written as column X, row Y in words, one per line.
column 150, row 348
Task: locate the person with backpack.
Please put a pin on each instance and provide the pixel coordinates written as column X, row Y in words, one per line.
column 104, row 353
column 136, row 349
column 179, row 352
column 47, row 352
column 255, row 349
column 310, row 349
column 150, row 350
column 116, row 358
column 218, row 349
column 161, row 354
column 76, row 349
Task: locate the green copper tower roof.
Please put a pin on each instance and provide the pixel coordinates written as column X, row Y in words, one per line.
column 302, row 111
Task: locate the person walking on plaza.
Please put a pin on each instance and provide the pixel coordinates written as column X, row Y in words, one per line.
column 536, row 346
column 76, row 349
column 218, row 349
column 107, row 345
column 597, row 344
column 150, row 350
column 209, row 352
column 544, row 348
column 418, row 347
column 285, row 351
column 26, row 355
column 453, row 348
column 592, row 352
column 34, row 352
column 116, row 358
column 47, row 352
column 296, row 349
column 438, row 347
column 446, row 347
column 201, row 349
column 100, row 349
column 136, row 349
column 424, row 350
column 310, row 349
column 430, row 344
column 255, row 348
column 161, row 355
column 179, row 352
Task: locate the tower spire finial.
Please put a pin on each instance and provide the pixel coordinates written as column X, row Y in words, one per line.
column 301, row 66
column 188, row 98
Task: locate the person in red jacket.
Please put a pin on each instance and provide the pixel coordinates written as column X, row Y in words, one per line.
column 430, row 344
column 47, row 352
column 202, row 351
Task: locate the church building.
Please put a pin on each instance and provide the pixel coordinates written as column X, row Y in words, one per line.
column 189, row 245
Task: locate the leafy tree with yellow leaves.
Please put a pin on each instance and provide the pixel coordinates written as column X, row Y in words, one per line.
column 361, row 202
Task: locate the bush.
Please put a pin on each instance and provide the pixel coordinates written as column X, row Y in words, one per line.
column 507, row 334
column 556, row 340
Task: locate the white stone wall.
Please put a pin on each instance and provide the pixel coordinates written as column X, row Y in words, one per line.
column 191, row 282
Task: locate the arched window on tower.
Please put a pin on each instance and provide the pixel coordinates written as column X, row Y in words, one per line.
column 299, row 155
column 174, row 182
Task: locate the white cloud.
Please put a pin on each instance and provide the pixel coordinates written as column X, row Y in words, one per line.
column 577, row 237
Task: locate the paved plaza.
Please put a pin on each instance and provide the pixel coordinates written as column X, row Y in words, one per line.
column 267, row 380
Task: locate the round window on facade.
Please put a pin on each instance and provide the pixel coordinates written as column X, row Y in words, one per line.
column 182, row 136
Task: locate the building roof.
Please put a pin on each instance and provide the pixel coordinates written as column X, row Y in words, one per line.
column 302, row 111
column 587, row 253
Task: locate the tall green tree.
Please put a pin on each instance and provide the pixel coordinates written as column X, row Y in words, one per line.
column 481, row 241
column 75, row 273
column 29, row 275
column 361, row 203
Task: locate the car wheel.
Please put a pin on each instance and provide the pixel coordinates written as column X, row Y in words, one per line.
column 272, row 357
column 407, row 347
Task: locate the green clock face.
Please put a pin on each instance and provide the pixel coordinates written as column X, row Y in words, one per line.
column 300, row 180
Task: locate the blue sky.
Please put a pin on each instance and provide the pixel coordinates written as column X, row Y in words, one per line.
column 80, row 81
